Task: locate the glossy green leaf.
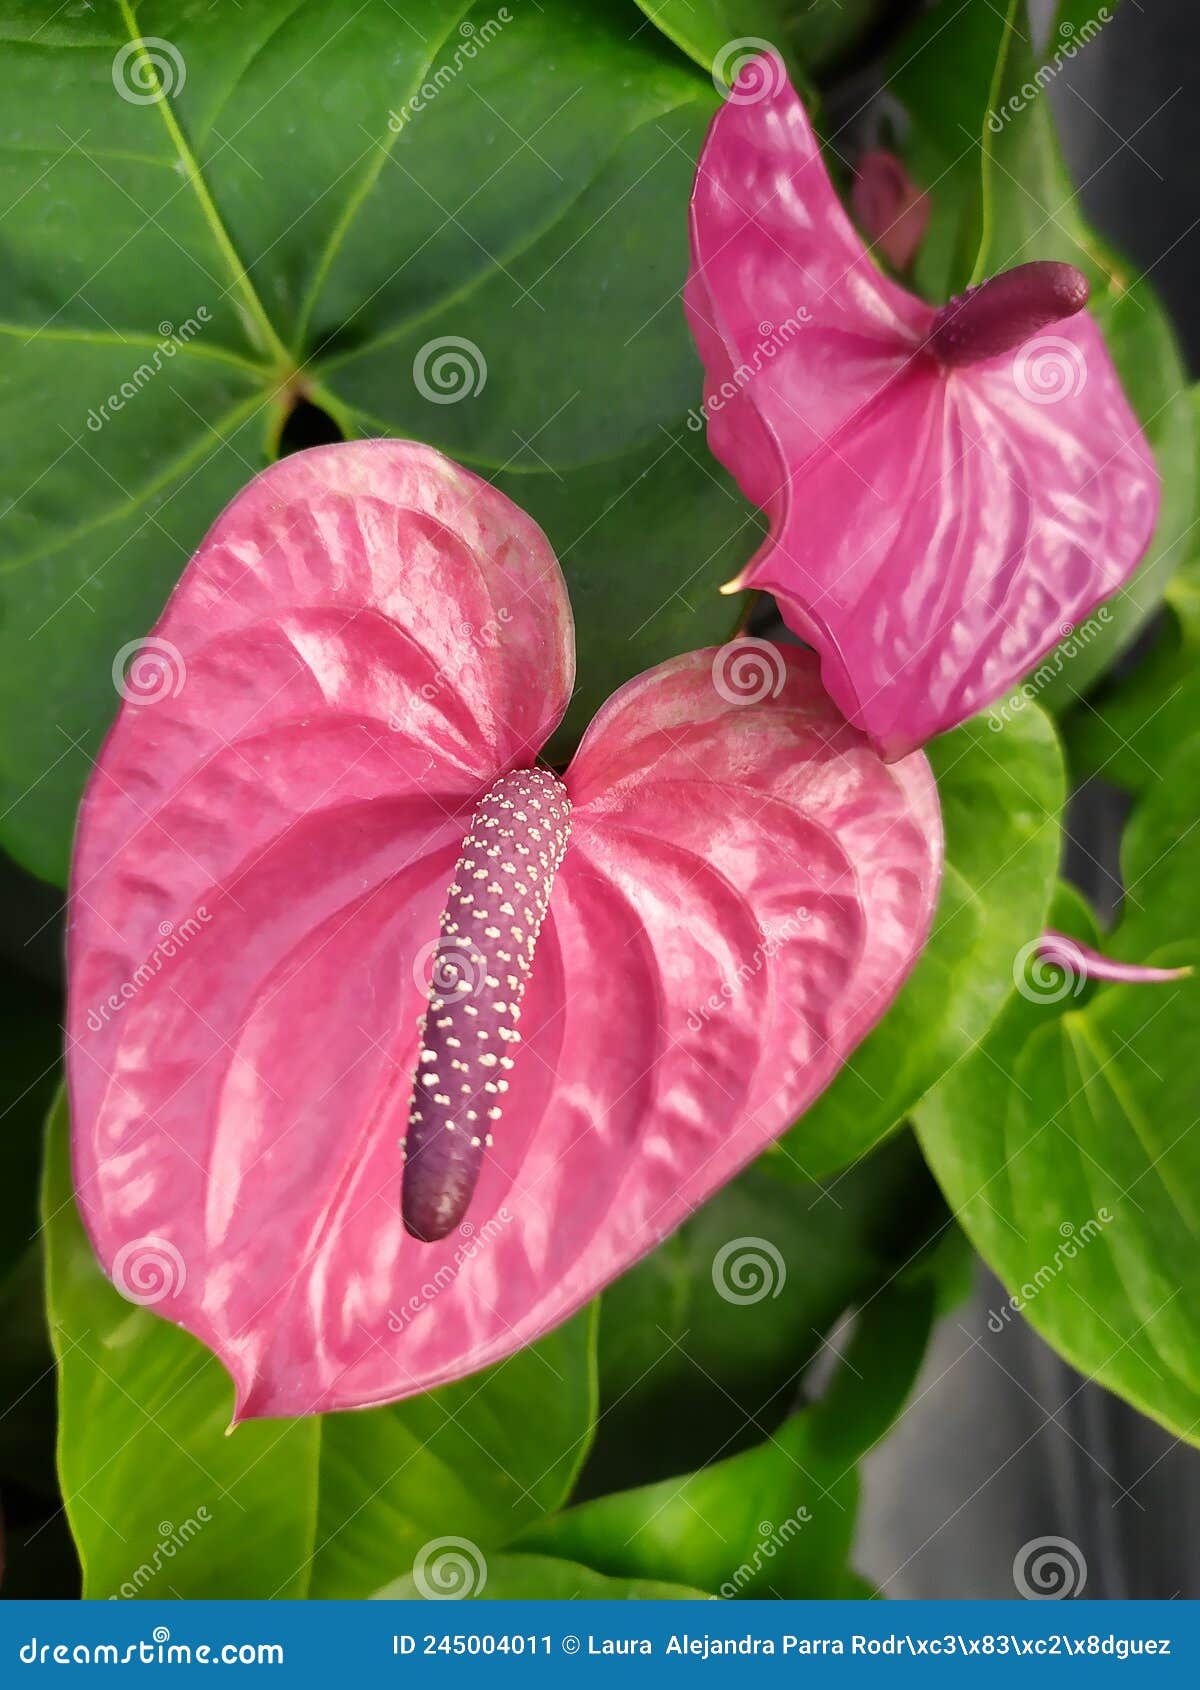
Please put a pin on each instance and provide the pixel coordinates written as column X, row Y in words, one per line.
column 542, row 1578
column 1069, row 1145
column 326, row 1506
column 810, row 34
column 1130, row 727
column 479, row 1459
column 290, row 203
column 704, row 1345
column 778, row 1520
column 1002, row 794
column 161, row 1502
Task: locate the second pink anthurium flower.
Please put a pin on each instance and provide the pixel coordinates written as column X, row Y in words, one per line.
column 389, row 1048
column 948, row 490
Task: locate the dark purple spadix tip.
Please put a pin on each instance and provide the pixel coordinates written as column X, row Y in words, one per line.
column 998, row 315
column 494, row 911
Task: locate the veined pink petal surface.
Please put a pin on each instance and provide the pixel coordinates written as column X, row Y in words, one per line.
column 744, row 888
column 1086, row 963
column 934, row 530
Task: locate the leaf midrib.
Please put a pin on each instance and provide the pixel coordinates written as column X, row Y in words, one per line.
column 191, row 167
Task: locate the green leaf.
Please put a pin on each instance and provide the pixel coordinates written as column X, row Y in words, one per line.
column 1130, row 728
column 777, row 1520
column 519, row 185
column 810, row 35
column 1068, row 1145
column 1002, row 793
column 140, row 1398
column 528, row 1578
column 480, row 1459
column 948, row 129
column 326, row 1506
column 703, row 1345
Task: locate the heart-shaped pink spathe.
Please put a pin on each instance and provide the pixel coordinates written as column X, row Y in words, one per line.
column 368, row 637
column 934, row 529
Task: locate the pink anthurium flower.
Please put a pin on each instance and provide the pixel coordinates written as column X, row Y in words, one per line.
column 949, row 490
column 389, row 1047
column 1085, row 963
column 891, row 210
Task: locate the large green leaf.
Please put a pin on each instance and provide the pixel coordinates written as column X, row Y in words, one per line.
column 810, row 34
column 1002, row 793
column 291, row 202
column 527, row 1578
column 327, row 1506
column 704, row 1345
column 1130, row 727
column 1069, row 1145
column 779, row 1519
